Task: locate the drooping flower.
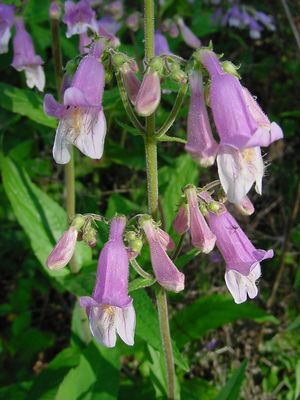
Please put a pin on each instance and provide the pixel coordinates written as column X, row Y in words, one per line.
column 188, row 36
column 239, row 170
column 81, row 117
column 200, row 142
column 148, row 97
column 245, row 206
column 110, row 309
column 161, row 45
column 165, row 271
column 25, row 58
column 202, row 237
column 6, row 22
column 241, row 257
column 79, row 17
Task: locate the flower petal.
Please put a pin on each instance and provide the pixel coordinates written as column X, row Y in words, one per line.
column 125, row 324
column 102, row 324
column 61, row 147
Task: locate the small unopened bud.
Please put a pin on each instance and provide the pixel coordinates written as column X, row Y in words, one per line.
column 71, row 67
column 214, row 206
column 231, row 69
column 90, row 236
column 64, row 250
column 245, row 207
column 136, row 245
column 173, row 30
column 78, row 221
column 131, row 82
column 119, row 59
column 54, row 10
column 179, row 76
column 148, row 97
column 203, row 209
column 156, row 65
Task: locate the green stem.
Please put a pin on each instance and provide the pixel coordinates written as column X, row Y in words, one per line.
column 140, row 270
column 152, row 187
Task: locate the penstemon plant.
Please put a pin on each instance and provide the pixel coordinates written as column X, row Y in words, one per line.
column 234, row 142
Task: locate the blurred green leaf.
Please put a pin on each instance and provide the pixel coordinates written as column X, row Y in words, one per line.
column 231, row 391
column 24, row 102
column 140, row 283
column 196, row 389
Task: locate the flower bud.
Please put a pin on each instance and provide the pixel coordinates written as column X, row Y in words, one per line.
column 89, row 236
column 230, row 68
column 64, row 250
column 148, row 97
column 131, row 82
column 132, row 21
column 245, row 206
column 54, row 10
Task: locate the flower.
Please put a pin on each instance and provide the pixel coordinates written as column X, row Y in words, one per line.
column 188, row 36
column 81, row 118
column 148, row 97
column 110, row 309
column 84, row 43
column 25, row 58
column 133, row 21
column 200, row 141
column 131, row 82
column 161, row 45
column 245, row 206
column 79, row 17
column 165, row 271
column 108, row 24
column 6, row 22
column 238, row 170
column 241, row 257
column 193, row 220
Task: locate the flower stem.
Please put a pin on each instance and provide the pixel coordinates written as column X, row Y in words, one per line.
column 152, row 187
column 69, row 168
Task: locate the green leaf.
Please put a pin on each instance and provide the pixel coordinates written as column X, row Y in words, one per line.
column 95, row 378
column 120, row 204
column 147, row 326
column 196, row 389
column 231, row 391
column 140, row 283
column 42, row 218
column 24, row 102
column 295, row 324
column 207, row 313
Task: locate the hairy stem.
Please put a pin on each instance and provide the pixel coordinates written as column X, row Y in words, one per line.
column 152, row 187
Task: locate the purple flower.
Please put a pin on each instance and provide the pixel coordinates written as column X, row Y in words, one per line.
column 265, row 19
column 109, row 24
column 165, row 271
column 188, row 36
column 238, row 170
column 148, row 97
column 173, row 30
column 81, row 117
column 182, row 220
column 84, row 43
column 245, row 206
column 6, row 22
column 161, row 44
column 109, row 309
column 235, row 17
column 131, row 82
column 241, row 257
column 255, row 29
column 200, row 141
column 54, row 10
column 115, row 8
column 62, row 253
column 25, row 58
column 133, row 21
column 79, row 17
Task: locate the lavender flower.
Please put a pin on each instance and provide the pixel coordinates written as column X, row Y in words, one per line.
column 148, row 97
column 165, row 271
column 79, row 17
column 84, row 43
column 241, row 257
column 62, row 253
column 81, row 117
column 182, row 220
column 25, row 58
column 109, row 25
column 109, row 309
column 161, row 45
column 188, row 36
column 6, row 22
column 131, row 82
column 200, row 141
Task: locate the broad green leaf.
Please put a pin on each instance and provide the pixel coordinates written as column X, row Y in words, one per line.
column 147, row 326
column 95, row 378
column 231, row 391
column 42, row 218
column 186, row 258
column 24, row 102
column 120, row 204
column 140, row 283
column 207, row 313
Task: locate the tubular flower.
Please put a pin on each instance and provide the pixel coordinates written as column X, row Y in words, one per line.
column 238, row 170
column 25, row 58
column 6, row 22
column 200, row 142
column 148, row 97
column 245, row 206
column 236, row 121
column 241, row 257
column 109, row 309
column 188, row 36
column 81, row 117
column 79, row 17
column 165, row 271
column 182, row 220
column 161, row 45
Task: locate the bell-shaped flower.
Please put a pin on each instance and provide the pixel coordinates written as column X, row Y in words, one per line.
column 131, row 82
column 79, row 17
column 25, row 58
column 166, row 273
column 200, row 142
column 81, row 117
column 6, row 22
column 148, row 97
column 202, row 237
column 237, row 126
column 188, row 36
column 239, row 170
column 241, row 257
column 110, row 309
column 245, row 206
column 161, row 45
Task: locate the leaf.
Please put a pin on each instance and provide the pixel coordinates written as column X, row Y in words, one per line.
column 24, row 102
column 147, row 326
column 295, row 324
column 95, row 378
column 186, row 258
column 196, row 389
column 231, row 391
column 140, row 283
column 207, row 313
column 120, row 204
column 42, row 218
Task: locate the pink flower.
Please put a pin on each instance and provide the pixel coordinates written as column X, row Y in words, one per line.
column 245, row 206
column 62, row 253
column 188, row 36
column 131, row 82
column 148, row 97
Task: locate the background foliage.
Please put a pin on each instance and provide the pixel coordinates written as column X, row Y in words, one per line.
column 222, row 351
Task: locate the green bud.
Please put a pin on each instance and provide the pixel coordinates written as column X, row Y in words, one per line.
column 179, row 76
column 71, row 67
column 231, row 69
column 78, row 221
column 136, row 245
column 90, row 237
column 131, row 235
column 157, row 64
column 203, row 209
column 119, row 59
column 108, row 76
column 214, row 206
